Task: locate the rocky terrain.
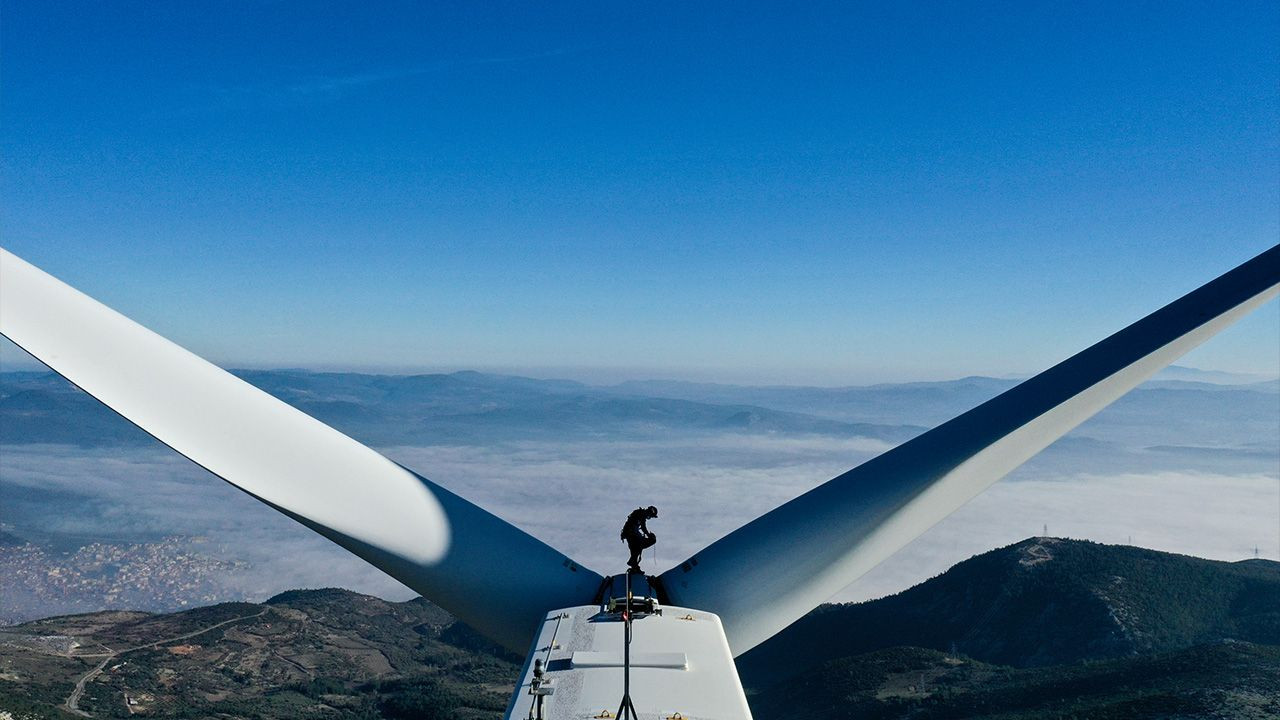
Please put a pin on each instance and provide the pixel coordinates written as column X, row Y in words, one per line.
column 300, row 653
column 1046, row 628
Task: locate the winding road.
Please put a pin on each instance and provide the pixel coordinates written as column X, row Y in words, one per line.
column 73, row 700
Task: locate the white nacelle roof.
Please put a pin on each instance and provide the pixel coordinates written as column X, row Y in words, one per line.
column 680, row 667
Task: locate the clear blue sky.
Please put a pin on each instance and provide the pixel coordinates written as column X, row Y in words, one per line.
column 816, row 193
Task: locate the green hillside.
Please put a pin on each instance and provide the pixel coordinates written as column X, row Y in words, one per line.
column 1043, row 602
column 1222, row 680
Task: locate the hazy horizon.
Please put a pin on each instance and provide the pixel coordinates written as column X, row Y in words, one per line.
column 14, row 359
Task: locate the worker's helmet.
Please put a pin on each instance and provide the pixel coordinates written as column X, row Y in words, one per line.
column 651, row 511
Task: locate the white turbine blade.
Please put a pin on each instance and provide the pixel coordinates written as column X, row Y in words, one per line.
column 475, row 565
column 771, row 571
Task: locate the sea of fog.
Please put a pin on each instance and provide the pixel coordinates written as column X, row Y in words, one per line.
column 1185, row 467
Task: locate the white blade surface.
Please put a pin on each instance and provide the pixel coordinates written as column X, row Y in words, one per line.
column 475, row 565
column 771, row 571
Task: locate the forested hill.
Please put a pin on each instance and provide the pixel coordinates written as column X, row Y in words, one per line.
column 1044, row 601
column 1045, row 628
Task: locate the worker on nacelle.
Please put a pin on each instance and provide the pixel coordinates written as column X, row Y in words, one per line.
column 637, row 536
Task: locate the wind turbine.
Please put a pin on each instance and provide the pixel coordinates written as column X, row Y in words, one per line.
column 687, row 623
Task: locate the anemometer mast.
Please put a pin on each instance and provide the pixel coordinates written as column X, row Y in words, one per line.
column 627, row 709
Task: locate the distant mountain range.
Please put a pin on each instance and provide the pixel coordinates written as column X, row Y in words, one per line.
column 1179, row 372
column 472, row 407
column 1045, row 628
column 463, row 407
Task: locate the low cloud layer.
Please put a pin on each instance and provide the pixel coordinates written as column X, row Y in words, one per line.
column 574, row 495
column 1221, row 517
